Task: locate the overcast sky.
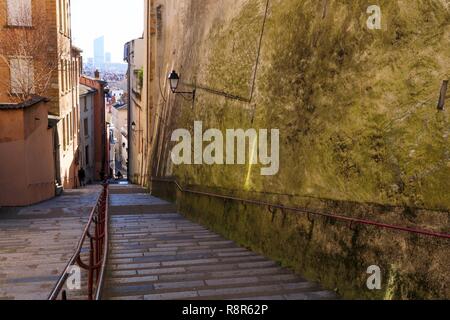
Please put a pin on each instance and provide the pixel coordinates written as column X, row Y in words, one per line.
column 118, row 20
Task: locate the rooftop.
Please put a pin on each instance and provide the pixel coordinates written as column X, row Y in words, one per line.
column 94, row 79
column 120, row 106
column 23, row 105
column 85, row 90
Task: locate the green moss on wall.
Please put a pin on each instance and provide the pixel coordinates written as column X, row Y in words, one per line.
column 232, row 61
column 356, row 108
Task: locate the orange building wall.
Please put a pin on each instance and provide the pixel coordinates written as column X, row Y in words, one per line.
column 26, row 156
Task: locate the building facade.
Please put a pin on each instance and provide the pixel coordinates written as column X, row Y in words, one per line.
column 138, row 116
column 110, row 112
column 87, row 132
column 100, row 146
column 120, row 120
column 99, row 53
column 37, row 59
column 68, row 113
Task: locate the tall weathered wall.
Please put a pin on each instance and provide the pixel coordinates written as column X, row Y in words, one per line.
column 360, row 131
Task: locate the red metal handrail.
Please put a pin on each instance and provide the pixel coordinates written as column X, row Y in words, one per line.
column 308, row 211
column 98, row 251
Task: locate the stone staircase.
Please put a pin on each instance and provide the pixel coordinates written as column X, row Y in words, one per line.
column 163, row 256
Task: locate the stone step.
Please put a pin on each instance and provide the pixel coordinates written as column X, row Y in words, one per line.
column 194, row 290
column 138, row 266
column 207, row 280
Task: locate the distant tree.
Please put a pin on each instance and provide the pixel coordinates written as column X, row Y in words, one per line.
column 28, row 47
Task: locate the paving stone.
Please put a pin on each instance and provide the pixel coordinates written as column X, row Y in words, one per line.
column 161, row 271
column 172, row 295
column 220, row 282
column 130, row 290
column 179, row 285
column 188, row 262
column 135, row 279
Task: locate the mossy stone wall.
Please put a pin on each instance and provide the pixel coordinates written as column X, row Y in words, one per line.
column 360, row 133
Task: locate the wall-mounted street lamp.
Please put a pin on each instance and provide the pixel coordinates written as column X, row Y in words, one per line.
column 133, row 127
column 174, row 80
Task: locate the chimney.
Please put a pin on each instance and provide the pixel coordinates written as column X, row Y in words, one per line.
column 97, row 74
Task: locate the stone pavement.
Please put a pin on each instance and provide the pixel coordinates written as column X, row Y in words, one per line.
column 157, row 254
column 36, row 242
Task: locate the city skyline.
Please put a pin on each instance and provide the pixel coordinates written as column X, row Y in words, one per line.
column 117, row 26
column 99, row 52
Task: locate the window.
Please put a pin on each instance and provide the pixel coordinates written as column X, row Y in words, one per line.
column 85, row 101
column 63, row 16
column 64, row 135
column 22, row 75
column 19, row 13
column 70, row 127
column 61, row 73
column 69, row 75
column 72, row 74
column 87, row 155
column 63, row 77
column 67, row 132
column 86, row 128
column 60, row 7
column 68, row 31
column 66, row 74
column 138, row 80
column 77, row 120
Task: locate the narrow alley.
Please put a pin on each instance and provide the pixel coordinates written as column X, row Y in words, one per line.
column 224, row 150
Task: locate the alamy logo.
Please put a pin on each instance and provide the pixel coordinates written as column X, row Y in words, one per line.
column 230, row 152
column 74, row 279
column 374, row 21
column 374, row 281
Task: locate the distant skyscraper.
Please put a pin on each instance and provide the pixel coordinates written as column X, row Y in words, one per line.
column 99, row 52
column 108, row 57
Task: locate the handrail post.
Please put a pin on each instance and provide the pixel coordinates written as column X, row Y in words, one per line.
column 96, row 245
column 91, row 269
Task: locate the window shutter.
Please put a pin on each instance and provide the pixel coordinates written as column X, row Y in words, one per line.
column 22, row 75
column 19, row 13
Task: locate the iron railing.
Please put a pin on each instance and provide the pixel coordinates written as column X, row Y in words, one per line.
column 96, row 232
column 271, row 206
